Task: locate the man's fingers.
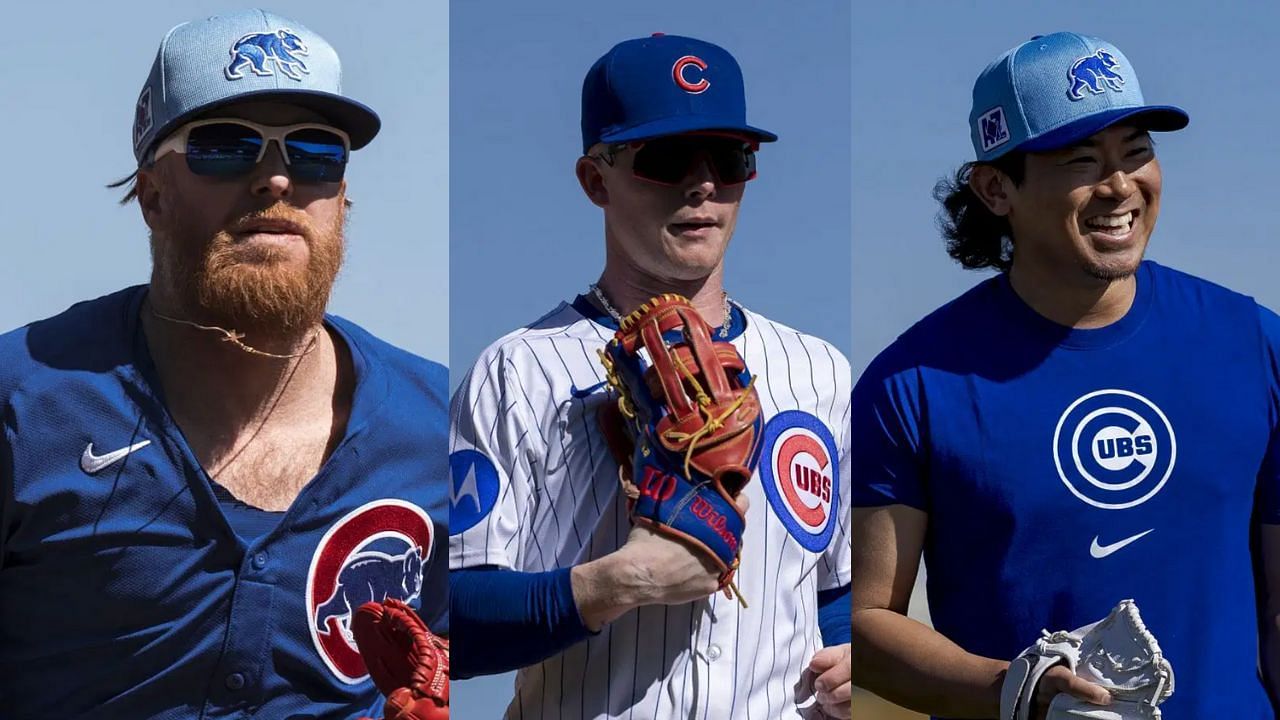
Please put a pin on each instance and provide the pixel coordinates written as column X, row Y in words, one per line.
column 742, row 502
column 826, row 658
column 1087, row 691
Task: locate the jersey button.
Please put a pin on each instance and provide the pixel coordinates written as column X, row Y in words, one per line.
column 713, row 653
column 260, row 560
column 235, row 681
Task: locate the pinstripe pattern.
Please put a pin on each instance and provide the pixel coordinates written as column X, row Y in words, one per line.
column 525, row 406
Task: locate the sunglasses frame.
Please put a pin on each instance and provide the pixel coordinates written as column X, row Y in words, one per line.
column 177, row 140
column 610, row 155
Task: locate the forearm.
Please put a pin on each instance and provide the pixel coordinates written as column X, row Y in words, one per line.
column 606, row 588
column 531, row 616
column 1271, row 657
column 908, row 663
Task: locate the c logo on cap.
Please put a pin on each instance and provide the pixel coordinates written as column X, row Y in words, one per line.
column 677, row 74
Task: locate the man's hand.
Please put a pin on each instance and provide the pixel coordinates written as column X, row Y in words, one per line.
column 651, row 568
column 833, row 682
column 1060, row 679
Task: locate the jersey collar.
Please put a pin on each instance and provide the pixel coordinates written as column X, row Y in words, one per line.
column 737, row 318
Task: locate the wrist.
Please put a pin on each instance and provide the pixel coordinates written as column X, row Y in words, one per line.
column 601, row 591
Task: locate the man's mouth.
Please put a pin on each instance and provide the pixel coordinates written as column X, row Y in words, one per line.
column 693, row 225
column 1112, row 224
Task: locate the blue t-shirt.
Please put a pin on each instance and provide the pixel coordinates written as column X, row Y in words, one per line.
column 1064, row 470
column 125, row 589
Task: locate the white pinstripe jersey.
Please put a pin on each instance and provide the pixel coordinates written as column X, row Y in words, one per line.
column 534, row 488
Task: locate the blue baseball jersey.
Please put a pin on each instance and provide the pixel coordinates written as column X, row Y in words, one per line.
column 125, row 592
column 1064, row 470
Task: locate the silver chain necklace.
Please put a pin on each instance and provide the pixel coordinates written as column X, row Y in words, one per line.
column 617, row 316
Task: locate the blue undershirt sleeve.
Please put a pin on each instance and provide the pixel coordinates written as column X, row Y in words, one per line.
column 835, row 610
column 502, row 620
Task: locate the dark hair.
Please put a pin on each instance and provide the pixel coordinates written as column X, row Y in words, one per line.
column 131, row 181
column 976, row 237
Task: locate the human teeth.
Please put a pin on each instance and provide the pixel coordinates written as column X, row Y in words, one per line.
column 1113, row 223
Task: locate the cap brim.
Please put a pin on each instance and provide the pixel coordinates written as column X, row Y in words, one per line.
column 356, row 119
column 686, row 124
column 1157, row 118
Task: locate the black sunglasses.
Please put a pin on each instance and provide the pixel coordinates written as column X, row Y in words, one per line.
column 669, row 160
column 231, row 147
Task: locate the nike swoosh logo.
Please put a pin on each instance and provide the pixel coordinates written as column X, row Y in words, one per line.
column 584, row 392
column 1099, row 551
column 93, row 464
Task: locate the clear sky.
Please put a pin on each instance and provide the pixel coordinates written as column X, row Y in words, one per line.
column 523, row 235
column 72, row 74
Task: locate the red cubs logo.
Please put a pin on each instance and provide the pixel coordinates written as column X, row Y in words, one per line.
column 804, row 470
column 375, row 552
column 801, row 477
column 680, row 73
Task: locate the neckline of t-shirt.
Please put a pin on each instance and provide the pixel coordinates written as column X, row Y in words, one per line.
column 1082, row 338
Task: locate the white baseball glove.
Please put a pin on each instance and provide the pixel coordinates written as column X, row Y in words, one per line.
column 1117, row 653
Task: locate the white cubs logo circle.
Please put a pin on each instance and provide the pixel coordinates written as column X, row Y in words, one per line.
column 801, row 480
column 1114, row 449
column 375, row 552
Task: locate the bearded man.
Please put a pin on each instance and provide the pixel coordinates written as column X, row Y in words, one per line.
column 201, row 478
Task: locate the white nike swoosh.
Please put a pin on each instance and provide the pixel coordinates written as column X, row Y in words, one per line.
column 92, row 464
column 1100, row 551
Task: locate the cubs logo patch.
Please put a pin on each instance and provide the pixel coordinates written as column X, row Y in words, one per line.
column 992, row 128
column 1094, row 73
column 375, row 552
column 1114, row 449
column 691, row 81
column 259, row 51
column 800, row 477
column 473, row 489
column 142, row 119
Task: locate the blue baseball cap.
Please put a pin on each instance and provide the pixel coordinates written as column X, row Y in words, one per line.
column 246, row 55
column 1056, row 90
column 663, row 85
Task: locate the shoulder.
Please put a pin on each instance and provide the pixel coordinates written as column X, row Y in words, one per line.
column 1171, row 282
column 88, row 337
column 401, row 366
column 955, row 327
column 790, row 336
column 544, row 341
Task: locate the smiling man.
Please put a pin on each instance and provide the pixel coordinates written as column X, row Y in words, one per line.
column 201, row 478
column 1084, row 428
column 604, row 619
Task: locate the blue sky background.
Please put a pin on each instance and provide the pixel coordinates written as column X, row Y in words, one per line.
column 71, row 75
column 523, row 235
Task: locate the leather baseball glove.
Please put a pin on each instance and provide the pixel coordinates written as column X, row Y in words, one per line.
column 1117, row 652
column 685, row 429
column 407, row 662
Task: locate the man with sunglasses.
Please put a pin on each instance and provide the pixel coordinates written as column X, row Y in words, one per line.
column 201, row 478
column 604, row 619
column 1084, row 428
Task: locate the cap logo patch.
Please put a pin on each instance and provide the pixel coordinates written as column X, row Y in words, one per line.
column 258, row 50
column 992, row 129
column 142, row 120
column 681, row 74
column 1094, row 73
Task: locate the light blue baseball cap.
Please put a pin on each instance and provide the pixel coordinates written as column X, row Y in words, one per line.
column 246, row 55
column 1056, row 90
